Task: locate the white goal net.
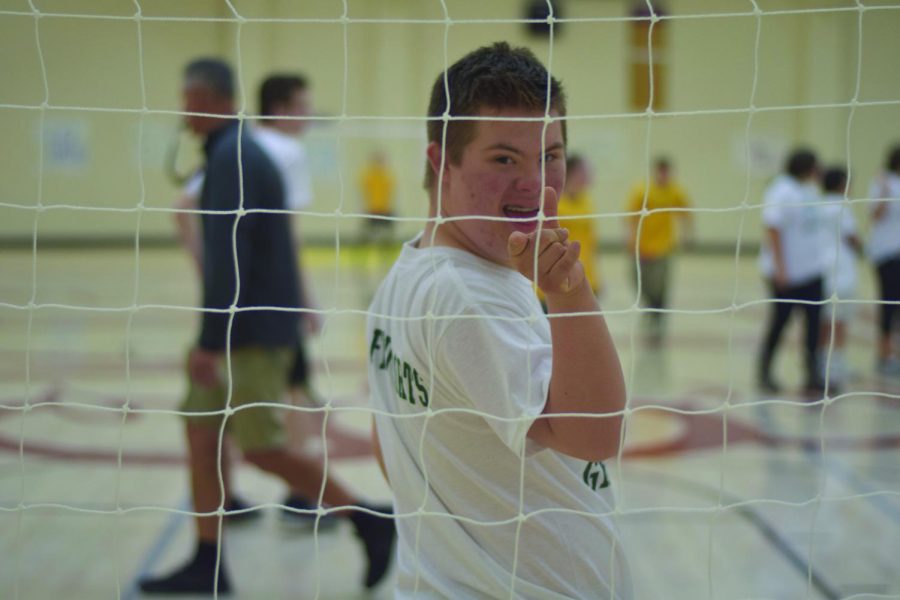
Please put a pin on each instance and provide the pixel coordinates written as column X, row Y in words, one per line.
column 722, row 486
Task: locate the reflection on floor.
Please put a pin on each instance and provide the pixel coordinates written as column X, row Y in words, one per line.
column 722, row 492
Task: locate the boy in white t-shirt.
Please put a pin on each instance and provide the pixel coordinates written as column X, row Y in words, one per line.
column 790, row 260
column 497, row 492
column 841, row 247
column 285, row 102
column 884, row 251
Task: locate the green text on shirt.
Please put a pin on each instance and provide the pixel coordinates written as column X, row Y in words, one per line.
column 405, row 378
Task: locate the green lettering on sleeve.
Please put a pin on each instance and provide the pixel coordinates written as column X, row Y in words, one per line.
column 404, row 378
column 423, row 392
column 398, row 378
column 594, row 475
column 376, row 335
column 408, row 378
column 388, row 353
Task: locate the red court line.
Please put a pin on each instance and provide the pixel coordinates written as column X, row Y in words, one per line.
column 342, row 445
column 700, row 432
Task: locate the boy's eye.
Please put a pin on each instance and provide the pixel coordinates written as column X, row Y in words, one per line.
column 504, row 160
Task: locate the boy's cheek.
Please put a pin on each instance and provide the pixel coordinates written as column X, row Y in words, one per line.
column 556, row 179
column 485, row 185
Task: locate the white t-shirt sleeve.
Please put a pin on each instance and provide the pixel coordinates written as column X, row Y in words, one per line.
column 878, row 189
column 848, row 222
column 773, row 212
column 300, row 183
column 194, row 184
column 501, row 368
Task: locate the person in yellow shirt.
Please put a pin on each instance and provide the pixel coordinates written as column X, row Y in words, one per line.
column 651, row 239
column 377, row 187
column 575, row 208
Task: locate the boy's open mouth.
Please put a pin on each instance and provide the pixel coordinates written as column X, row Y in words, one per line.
column 525, row 218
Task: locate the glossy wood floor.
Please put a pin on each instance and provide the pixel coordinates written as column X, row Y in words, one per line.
column 798, row 500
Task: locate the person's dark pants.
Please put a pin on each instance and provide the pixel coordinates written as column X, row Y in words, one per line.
column 785, row 303
column 654, row 286
column 299, row 374
column 889, row 281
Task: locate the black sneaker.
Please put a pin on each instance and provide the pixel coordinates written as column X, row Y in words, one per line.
column 290, row 514
column 377, row 534
column 245, row 511
column 767, row 385
column 815, row 390
column 888, row 367
column 189, row 579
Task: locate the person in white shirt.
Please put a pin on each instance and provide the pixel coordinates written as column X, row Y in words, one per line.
column 840, row 248
column 790, row 261
column 187, row 225
column 884, row 252
column 497, row 493
column 284, row 99
column 285, row 103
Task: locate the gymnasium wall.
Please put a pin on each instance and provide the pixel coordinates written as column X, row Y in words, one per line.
column 98, row 159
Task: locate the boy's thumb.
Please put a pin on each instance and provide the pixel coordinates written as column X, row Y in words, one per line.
column 551, row 207
column 517, row 243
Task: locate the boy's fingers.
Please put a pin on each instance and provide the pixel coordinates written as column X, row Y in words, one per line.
column 519, row 243
column 564, row 266
column 550, row 237
column 567, row 260
column 575, row 247
column 550, row 256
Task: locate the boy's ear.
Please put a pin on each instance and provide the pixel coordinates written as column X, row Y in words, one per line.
column 435, row 154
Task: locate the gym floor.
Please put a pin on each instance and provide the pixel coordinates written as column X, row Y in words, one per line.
column 722, row 493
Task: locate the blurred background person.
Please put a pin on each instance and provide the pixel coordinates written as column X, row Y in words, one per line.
column 187, row 227
column 840, row 248
column 652, row 240
column 376, row 187
column 575, row 210
column 791, row 263
column 884, row 251
column 242, row 359
column 285, row 102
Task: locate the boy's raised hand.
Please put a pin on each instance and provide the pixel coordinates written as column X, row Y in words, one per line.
column 558, row 269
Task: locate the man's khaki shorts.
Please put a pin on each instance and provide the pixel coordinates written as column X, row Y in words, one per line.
column 258, row 374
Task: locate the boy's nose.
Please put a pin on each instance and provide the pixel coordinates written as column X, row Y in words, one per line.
column 530, row 180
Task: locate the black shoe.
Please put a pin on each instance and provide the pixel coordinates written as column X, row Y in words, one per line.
column 377, row 533
column 289, row 514
column 236, row 503
column 189, row 579
column 815, row 390
column 768, row 386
